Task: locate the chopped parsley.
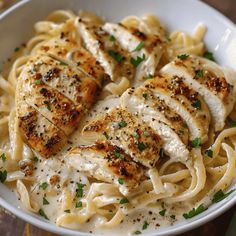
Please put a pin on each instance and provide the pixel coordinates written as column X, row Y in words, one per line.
column 183, row 56
column 145, row 95
column 67, row 211
column 137, row 232
column 78, row 204
column 209, row 56
column 150, row 76
column 141, row 146
column 161, row 152
column 38, row 81
column 194, row 212
column 196, row 142
column 78, row 63
column 197, row 104
column 162, row 212
column 145, row 225
column 136, row 135
column 45, row 201
column 209, row 153
column 3, row 176
column 146, row 133
column 122, row 124
column 44, row 185
column 112, row 38
column 48, row 105
column 232, row 123
column 137, row 61
column 35, row 159
column 124, row 201
column 106, row 135
column 3, row 157
column 121, row 181
column 16, row 49
column 172, row 217
column 63, row 63
column 139, row 47
column 80, row 189
column 119, row 155
column 220, row 195
column 118, row 57
column 42, row 213
column 200, row 73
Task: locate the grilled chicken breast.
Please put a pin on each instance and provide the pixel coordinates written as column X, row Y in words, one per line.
column 138, row 44
column 184, row 101
column 167, row 124
column 56, row 92
column 208, row 79
column 125, row 130
column 114, row 59
column 69, row 51
column 109, row 163
column 42, row 135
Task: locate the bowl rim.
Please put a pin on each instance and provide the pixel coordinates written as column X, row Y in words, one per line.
column 46, row 225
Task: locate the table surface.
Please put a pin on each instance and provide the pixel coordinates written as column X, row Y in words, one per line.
column 12, row 226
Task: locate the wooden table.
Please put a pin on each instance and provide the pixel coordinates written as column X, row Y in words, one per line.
column 12, row 226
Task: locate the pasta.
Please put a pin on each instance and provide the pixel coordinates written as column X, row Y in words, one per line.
column 58, row 190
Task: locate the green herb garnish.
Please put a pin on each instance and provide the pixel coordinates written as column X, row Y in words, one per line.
column 161, row 152
column 78, row 204
column 17, row 49
column 3, row 157
column 162, row 212
column 145, row 225
column 67, row 211
column 112, row 38
column 136, row 135
column 38, row 81
column 122, row 124
column 121, row 181
column 139, row 47
column 78, row 63
column 196, row 142
column 119, row 155
column 63, row 63
column 48, row 105
column 209, row 153
column 145, row 95
column 232, row 123
column 200, row 73
column 183, row 56
column 141, row 146
column 80, row 189
column 35, row 159
column 172, row 217
column 118, row 57
column 220, row 195
column 209, row 56
column 45, row 201
column 42, row 213
column 3, row 176
column 150, row 76
column 146, row 133
column 197, row 104
column 124, row 201
column 194, row 212
column 44, row 185
column 137, row 232
column 137, row 61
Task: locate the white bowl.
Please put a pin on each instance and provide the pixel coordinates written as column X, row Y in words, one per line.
column 16, row 26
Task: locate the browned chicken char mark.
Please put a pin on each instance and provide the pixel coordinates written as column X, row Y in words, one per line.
column 125, row 130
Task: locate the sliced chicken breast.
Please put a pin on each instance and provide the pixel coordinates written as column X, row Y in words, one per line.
column 42, row 135
column 138, row 44
column 184, row 101
column 209, row 80
column 108, row 163
column 167, row 124
column 68, row 50
column 114, row 59
column 125, row 130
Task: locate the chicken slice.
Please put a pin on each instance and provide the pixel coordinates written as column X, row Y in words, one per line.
column 114, row 59
column 109, row 163
column 138, row 44
column 184, row 101
column 167, row 124
column 75, row 85
column 48, row 101
column 125, row 130
column 68, row 50
column 209, row 80
column 42, row 135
